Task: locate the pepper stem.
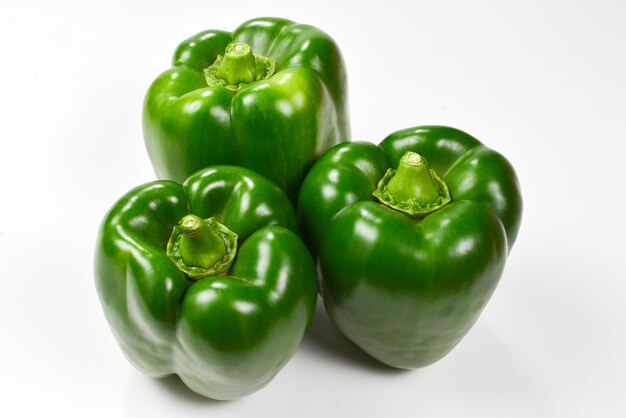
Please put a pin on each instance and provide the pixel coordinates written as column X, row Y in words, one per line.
column 413, row 188
column 238, row 64
column 202, row 248
column 238, row 67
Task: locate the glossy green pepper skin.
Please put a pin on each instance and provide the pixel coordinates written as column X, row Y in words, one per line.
column 225, row 336
column 407, row 289
column 277, row 125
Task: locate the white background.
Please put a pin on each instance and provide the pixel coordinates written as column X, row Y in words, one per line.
column 543, row 82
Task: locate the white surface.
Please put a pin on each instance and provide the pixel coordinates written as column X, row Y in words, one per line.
column 542, row 82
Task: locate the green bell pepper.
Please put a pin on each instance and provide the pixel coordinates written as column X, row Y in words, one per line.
column 207, row 280
column 270, row 96
column 411, row 238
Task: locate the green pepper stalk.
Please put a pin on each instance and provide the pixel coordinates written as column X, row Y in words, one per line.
column 238, row 67
column 413, row 188
column 202, row 248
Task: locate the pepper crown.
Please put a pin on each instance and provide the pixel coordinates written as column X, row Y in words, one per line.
column 238, row 67
column 414, row 188
column 202, row 247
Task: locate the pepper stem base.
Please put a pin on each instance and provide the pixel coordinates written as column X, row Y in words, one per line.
column 202, row 247
column 413, row 189
column 238, row 67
